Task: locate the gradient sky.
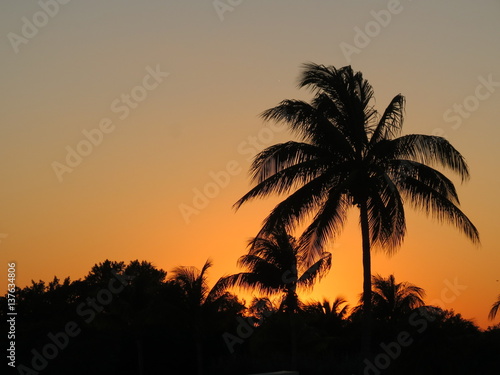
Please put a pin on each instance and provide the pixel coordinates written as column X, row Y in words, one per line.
column 226, row 64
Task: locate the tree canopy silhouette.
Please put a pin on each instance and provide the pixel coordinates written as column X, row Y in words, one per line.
column 147, row 328
column 393, row 301
column 275, row 264
column 200, row 302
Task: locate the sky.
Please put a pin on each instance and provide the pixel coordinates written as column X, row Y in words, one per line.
column 127, row 129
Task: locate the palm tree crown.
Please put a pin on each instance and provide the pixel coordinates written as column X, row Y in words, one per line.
column 200, row 303
column 393, row 300
column 275, row 265
column 194, row 285
column 352, row 156
column 337, row 309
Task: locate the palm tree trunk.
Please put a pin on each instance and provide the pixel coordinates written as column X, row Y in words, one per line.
column 367, row 285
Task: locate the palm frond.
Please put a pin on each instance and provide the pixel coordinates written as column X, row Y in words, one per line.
column 279, row 157
column 204, row 269
column 402, row 169
column 219, row 290
column 337, row 308
column 386, row 215
column 494, row 309
column 308, row 123
column 283, row 181
column 392, row 300
column 430, row 150
column 349, row 92
column 438, row 206
column 327, row 224
column 293, row 209
column 259, row 281
column 391, row 122
column 316, row 271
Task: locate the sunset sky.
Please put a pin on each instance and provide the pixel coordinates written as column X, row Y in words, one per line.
column 169, row 92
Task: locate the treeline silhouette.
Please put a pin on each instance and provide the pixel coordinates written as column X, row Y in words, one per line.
column 137, row 319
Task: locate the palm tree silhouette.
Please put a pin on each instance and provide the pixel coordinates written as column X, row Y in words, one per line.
column 392, row 301
column 262, row 307
column 275, row 264
column 494, row 309
column 199, row 300
column 337, row 309
column 350, row 156
column 330, row 316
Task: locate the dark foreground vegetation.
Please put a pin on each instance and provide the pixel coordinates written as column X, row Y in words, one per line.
column 133, row 319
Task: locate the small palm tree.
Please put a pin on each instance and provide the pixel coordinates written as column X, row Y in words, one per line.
column 392, row 301
column 338, row 308
column 392, row 304
column 276, row 265
column 198, row 300
column 349, row 155
column 331, row 315
column 194, row 284
column 494, row 309
column 261, row 308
